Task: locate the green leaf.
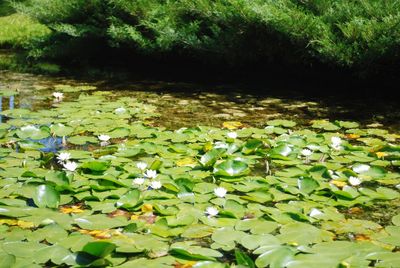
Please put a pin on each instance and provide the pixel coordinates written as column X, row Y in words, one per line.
column 46, row 196
column 6, row 260
column 81, row 140
column 129, row 200
column 99, row 222
column 61, row 130
column 96, row 166
column 243, row 259
column 231, row 168
column 186, row 255
column 119, row 132
column 251, row 146
column 274, row 256
column 99, row 248
column 281, row 122
column 303, row 234
column 396, row 220
column 280, row 150
column 33, row 132
column 209, row 158
column 307, row 185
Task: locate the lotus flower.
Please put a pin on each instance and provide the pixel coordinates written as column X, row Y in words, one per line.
column 306, row 152
column 336, row 141
column 141, row 165
column 151, row 174
column 232, row 135
column 138, row 181
column 354, row 181
column 58, row 96
column 156, row 184
column 212, row 211
column 104, row 137
column 63, row 157
column 361, row 168
column 70, row 166
column 220, row 192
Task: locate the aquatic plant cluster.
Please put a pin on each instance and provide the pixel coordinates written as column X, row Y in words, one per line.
column 359, row 34
column 90, row 182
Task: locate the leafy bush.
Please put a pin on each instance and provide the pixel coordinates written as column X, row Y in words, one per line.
column 350, row 33
column 19, row 30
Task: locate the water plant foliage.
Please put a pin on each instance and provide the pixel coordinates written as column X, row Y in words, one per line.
column 90, row 182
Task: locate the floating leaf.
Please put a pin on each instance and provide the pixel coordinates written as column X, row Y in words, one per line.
column 232, row 125
column 61, row 130
column 99, row 248
column 281, row 123
column 46, row 196
column 231, row 168
column 307, row 185
column 274, row 256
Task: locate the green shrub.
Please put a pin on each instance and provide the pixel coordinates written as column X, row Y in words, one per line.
column 349, row 33
column 19, row 30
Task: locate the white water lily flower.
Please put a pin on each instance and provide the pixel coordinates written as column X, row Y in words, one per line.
column 151, row 174
column 58, row 95
column 70, row 166
column 220, row 192
column 156, row 184
column 354, row 181
column 138, row 181
column 361, row 168
column 141, row 165
column 306, row 152
column 232, row 135
column 315, row 213
column 120, row 110
column 29, row 128
column 62, row 157
column 212, row 211
column 336, row 142
column 104, row 137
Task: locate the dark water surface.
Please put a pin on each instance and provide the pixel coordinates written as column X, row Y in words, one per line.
column 190, row 104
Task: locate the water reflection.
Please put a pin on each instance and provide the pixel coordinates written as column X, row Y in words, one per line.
column 50, row 144
column 10, row 105
column 196, row 104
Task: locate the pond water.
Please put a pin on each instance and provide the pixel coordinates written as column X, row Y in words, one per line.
column 157, row 174
column 190, row 104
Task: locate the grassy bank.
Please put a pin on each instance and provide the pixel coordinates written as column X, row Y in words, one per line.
column 285, row 36
column 17, row 33
column 348, row 34
column 17, row 30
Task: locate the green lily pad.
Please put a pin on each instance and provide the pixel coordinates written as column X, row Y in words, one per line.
column 46, row 196
column 281, row 123
column 231, row 168
column 99, row 249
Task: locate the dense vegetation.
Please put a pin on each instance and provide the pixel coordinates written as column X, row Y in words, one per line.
column 17, row 30
column 88, row 181
column 343, row 33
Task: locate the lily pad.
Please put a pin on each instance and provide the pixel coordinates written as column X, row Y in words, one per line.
column 231, row 168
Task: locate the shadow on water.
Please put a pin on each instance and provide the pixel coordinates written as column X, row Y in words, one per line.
column 183, row 104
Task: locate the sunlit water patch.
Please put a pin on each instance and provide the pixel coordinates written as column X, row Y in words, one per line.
column 98, row 177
